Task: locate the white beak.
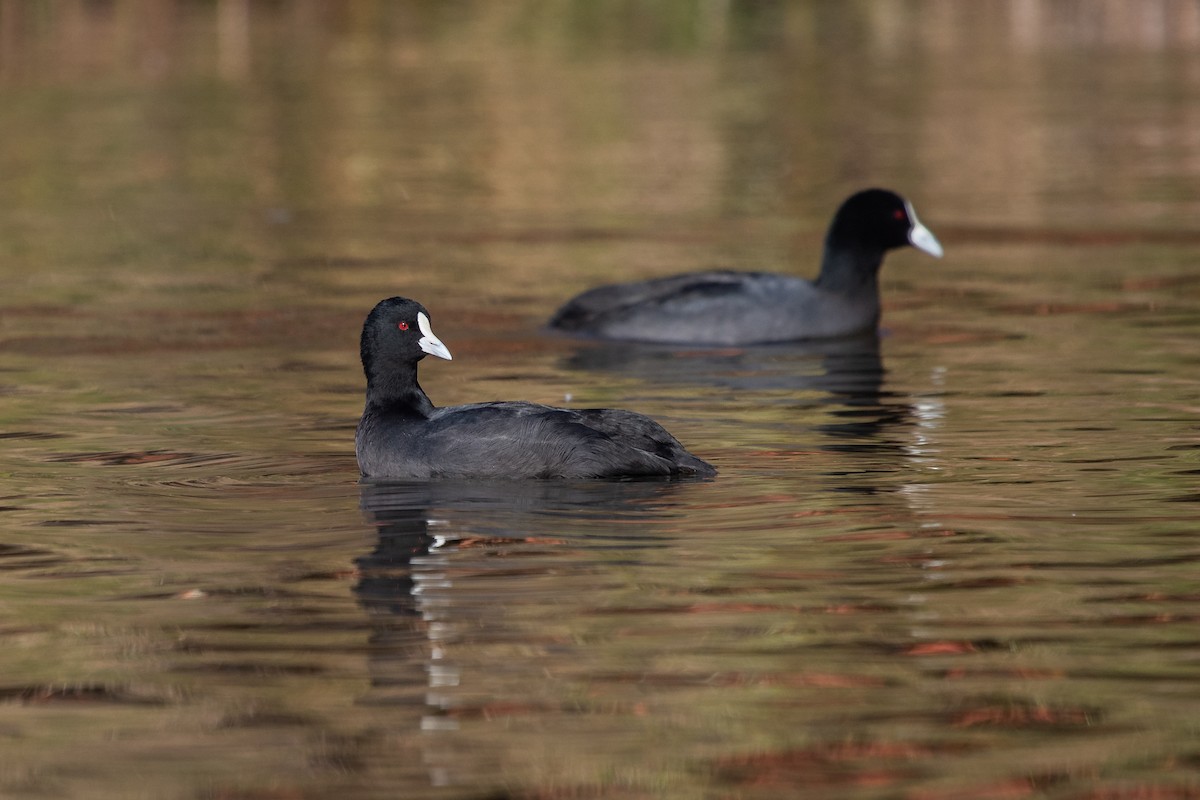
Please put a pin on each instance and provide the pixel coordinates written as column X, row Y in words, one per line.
column 920, row 237
column 428, row 342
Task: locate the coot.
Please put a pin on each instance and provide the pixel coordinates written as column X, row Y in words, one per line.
column 724, row 307
column 402, row 435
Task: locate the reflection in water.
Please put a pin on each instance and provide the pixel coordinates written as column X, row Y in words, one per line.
column 845, row 365
column 403, row 647
column 407, row 583
column 847, row 375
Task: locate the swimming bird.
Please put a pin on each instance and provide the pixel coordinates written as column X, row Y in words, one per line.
column 725, row 307
column 402, row 435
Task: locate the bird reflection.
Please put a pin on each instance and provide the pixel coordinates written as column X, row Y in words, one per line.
column 822, row 365
column 845, row 379
column 431, row 593
column 845, row 374
column 863, row 411
column 416, row 521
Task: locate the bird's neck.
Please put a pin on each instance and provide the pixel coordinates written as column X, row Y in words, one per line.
column 394, row 390
column 850, row 269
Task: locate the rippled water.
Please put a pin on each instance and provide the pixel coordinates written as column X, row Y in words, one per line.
column 959, row 561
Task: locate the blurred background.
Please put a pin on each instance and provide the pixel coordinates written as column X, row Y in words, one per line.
column 285, row 147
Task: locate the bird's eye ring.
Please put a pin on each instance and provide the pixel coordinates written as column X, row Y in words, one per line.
column 402, row 326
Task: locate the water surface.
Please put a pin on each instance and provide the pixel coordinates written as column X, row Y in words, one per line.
column 956, row 561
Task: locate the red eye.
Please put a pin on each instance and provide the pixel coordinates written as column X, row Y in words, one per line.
column 899, row 214
column 403, row 326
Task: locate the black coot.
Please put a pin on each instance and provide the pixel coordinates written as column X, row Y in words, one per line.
column 402, row 435
column 723, row 307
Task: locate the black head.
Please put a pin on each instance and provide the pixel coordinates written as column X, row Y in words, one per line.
column 398, row 330
column 879, row 219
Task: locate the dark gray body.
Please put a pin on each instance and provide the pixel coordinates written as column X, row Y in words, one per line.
column 519, row 440
column 723, row 307
column 720, row 307
column 402, row 435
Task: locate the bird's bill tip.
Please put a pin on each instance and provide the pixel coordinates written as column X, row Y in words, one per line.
column 921, row 238
column 428, row 342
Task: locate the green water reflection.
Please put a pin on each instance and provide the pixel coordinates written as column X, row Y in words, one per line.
column 961, row 564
